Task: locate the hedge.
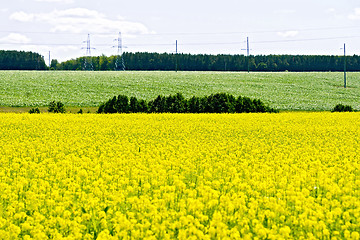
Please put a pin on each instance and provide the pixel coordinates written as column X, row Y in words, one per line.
column 214, row 103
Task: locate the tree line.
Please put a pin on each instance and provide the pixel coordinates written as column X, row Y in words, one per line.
column 214, row 103
column 20, row 60
column 204, row 62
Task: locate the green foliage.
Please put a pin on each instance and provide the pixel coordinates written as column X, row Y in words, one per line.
column 109, row 106
column 205, row 62
column 134, row 105
column 143, row 106
column 157, row 105
column 34, row 110
column 53, row 64
column 195, row 105
column 101, row 108
column 137, row 105
column 215, row 103
column 171, row 104
column 56, row 107
column 20, row 60
column 122, row 104
column 219, row 103
column 342, row 108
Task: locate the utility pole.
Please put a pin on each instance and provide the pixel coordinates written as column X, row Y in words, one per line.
column 49, row 60
column 344, row 66
column 119, row 64
column 176, row 53
column 247, row 54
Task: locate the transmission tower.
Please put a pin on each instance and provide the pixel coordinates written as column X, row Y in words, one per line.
column 119, row 63
column 88, row 66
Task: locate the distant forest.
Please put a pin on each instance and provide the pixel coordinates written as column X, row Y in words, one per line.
column 202, row 62
column 18, row 60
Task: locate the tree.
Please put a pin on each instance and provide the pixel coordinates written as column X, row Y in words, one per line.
column 56, row 107
column 54, row 64
column 20, row 60
column 206, row 62
column 103, row 63
column 122, row 104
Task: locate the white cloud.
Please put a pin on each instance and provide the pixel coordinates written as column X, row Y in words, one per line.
column 355, row 15
column 15, row 38
column 22, row 16
column 78, row 12
column 81, row 20
column 288, row 34
column 59, row 1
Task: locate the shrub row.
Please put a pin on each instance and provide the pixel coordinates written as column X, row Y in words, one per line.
column 215, row 103
column 342, row 108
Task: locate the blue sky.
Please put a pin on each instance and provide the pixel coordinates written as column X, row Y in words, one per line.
column 206, row 27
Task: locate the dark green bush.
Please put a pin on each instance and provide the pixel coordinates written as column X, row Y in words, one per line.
column 194, row 105
column 122, row 104
column 214, row 103
column 101, row 108
column 157, row 105
column 34, row 110
column 109, row 106
column 244, row 105
column 56, row 107
column 220, row 103
column 175, row 104
column 134, row 106
column 143, row 106
column 342, row 108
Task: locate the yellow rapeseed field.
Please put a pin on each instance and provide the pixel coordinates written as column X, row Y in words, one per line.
column 180, row 176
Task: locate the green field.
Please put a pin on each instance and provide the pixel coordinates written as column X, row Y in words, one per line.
column 285, row 91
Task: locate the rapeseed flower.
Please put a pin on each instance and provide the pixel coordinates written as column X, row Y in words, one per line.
column 180, row 176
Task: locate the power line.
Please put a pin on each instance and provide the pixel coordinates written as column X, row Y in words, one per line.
column 186, row 44
column 189, row 33
column 256, row 32
column 306, row 39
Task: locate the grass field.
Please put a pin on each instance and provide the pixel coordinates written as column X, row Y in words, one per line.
column 284, row 91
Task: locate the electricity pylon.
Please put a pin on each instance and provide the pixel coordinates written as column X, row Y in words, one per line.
column 88, row 66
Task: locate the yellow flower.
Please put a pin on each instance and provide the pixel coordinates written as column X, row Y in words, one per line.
column 180, row 176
